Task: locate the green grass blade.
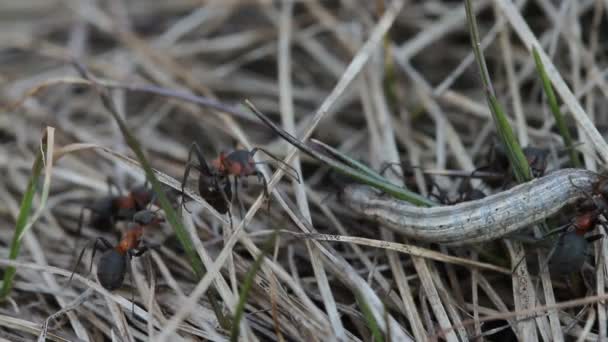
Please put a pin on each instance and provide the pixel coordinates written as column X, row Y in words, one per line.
column 520, row 166
column 248, row 283
column 355, row 164
column 518, row 160
column 171, row 215
column 560, row 122
column 382, row 184
column 24, row 212
column 368, row 315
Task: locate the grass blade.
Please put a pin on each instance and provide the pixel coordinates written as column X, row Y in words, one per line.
column 518, row 160
column 379, row 183
column 560, row 122
column 355, row 164
column 516, row 156
column 372, row 324
column 22, row 219
column 248, row 283
column 170, row 213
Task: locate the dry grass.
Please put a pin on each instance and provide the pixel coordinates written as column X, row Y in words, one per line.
column 323, row 69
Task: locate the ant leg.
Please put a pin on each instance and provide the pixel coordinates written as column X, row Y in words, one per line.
column 385, row 166
column 80, row 224
column 202, row 167
column 202, row 162
column 189, row 165
column 225, row 196
column 106, row 245
column 442, row 197
column 406, row 169
column 136, row 253
column 140, row 251
column 261, row 177
column 593, row 238
column 559, row 229
column 295, row 175
column 132, row 281
column 112, row 184
column 81, row 220
column 144, row 248
column 238, row 199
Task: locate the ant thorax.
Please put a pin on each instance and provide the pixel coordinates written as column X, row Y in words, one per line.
column 131, row 239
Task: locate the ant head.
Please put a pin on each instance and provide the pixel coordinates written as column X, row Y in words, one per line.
column 537, row 159
column 147, row 217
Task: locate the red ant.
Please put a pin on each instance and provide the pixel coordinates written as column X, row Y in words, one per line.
column 214, row 183
column 107, row 210
column 113, row 264
column 213, row 187
column 570, row 253
column 590, row 208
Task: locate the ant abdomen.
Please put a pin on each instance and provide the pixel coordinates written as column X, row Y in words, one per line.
column 210, row 188
column 569, row 255
column 99, row 213
column 111, row 269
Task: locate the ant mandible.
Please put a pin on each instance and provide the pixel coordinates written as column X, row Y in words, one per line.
column 214, row 183
column 113, row 264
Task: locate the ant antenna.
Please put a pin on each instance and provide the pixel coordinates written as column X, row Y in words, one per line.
column 295, row 174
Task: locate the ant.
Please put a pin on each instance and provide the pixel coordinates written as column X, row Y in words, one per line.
column 590, row 208
column 569, row 254
column 466, row 191
column 107, row 210
column 499, row 163
column 113, row 264
column 212, row 186
column 214, row 183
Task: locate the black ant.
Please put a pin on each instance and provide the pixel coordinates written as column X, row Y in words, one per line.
column 113, row 264
column 536, row 158
column 499, row 163
column 466, row 191
column 107, row 210
column 214, row 183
